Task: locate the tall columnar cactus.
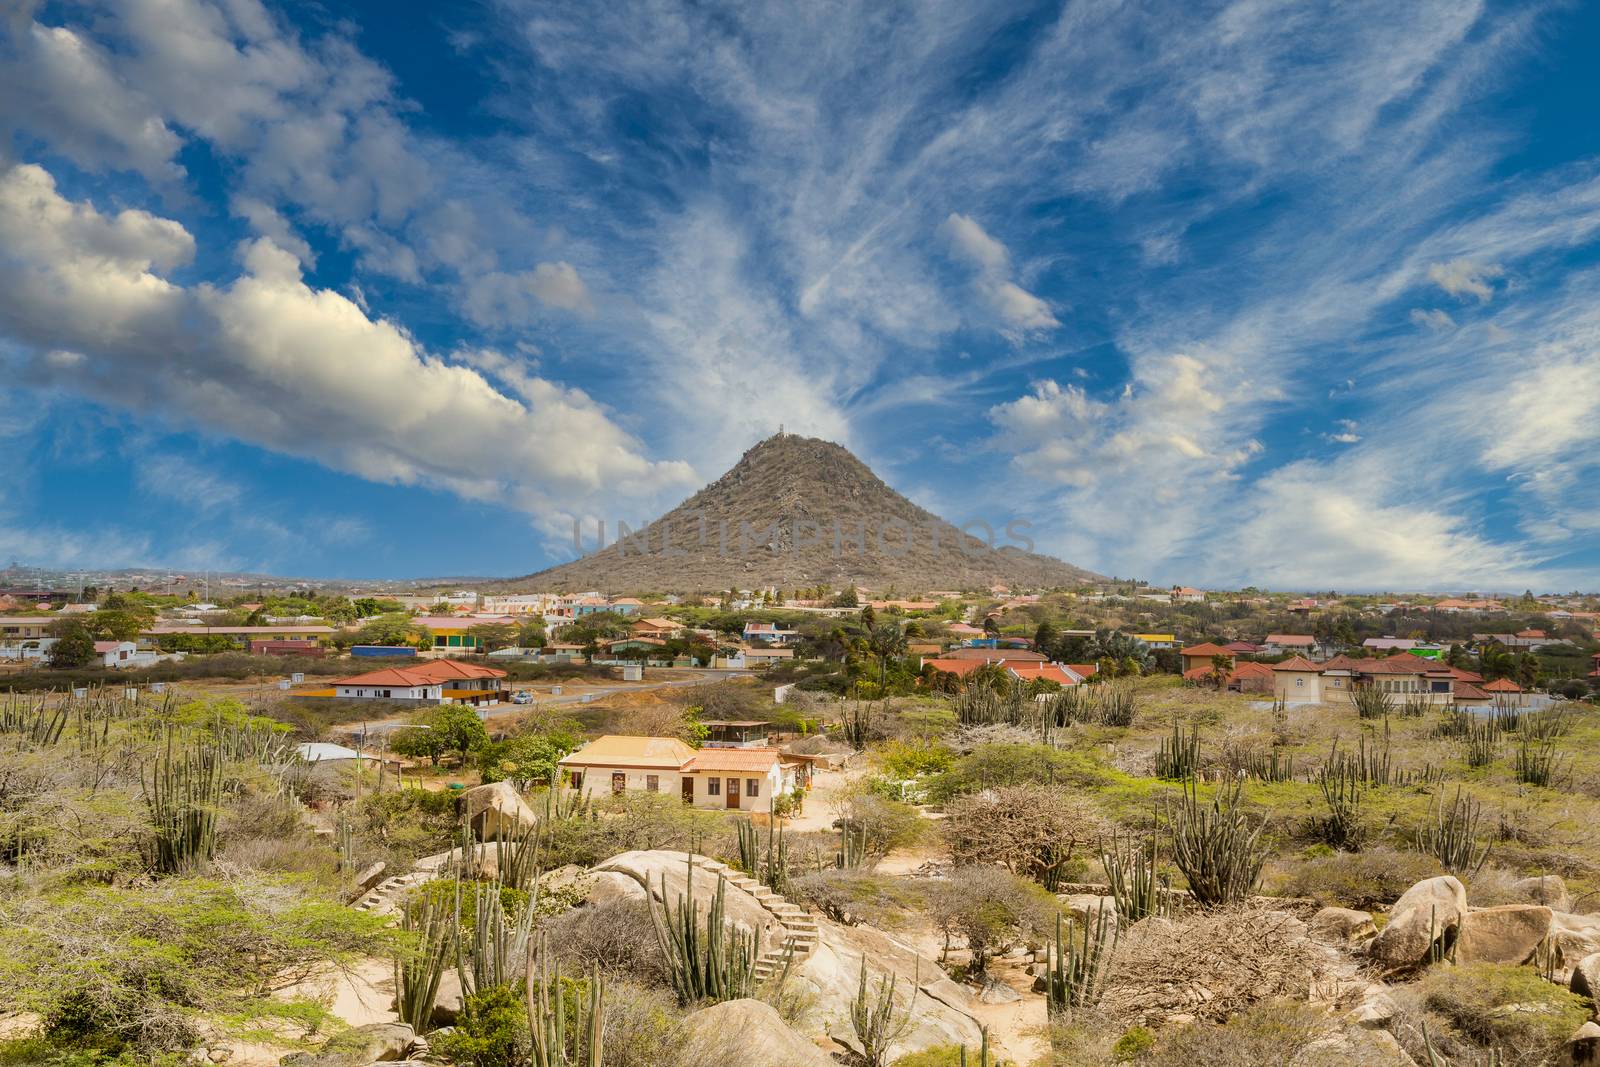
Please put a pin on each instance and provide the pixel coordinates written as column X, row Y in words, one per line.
column 1451, row 834
column 1216, row 846
column 33, row 720
column 1372, row 703
column 1342, row 792
column 1138, row 890
column 565, row 1031
column 875, row 1019
column 852, row 852
column 1117, row 705
column 518, row 856
column 983, row 1049
column 1078, row 965
column 182, row 790
column 708, row 960
column 430, row 927
column 498, row 949
column 1480, row 744
column 1537, row 762
column 768, row 865
column 1179, row 755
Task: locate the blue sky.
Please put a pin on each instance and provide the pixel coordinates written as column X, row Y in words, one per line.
column 1295, row 295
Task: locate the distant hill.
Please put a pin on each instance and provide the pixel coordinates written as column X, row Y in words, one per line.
column 792, row 513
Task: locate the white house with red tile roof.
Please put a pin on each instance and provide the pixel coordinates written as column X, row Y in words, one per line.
column 729, row 778
column 433, row 682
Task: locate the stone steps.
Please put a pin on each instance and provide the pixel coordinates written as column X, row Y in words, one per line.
column 799, row 927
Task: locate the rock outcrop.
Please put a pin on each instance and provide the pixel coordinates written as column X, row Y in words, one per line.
column 496, row 810
column 1342, row 927
column 749, row 1033
column 1424, row 914
column 1510, row 933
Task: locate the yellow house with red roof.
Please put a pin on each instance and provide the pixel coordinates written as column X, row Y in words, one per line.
column 735, row 779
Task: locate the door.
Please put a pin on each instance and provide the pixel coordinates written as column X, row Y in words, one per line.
column 733, row 792
column 619, row 782
column 688, row 790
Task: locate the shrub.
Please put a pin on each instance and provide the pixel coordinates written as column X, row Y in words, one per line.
column 853, row 897
column 990, row 765
column 989, row 908
column 1264, row 1035
column 1366, row 880
column 1504, row 1007
column 491, row 1030
column 1212, row 965
column 616, row 936
column 1030, row 830
column 136, row 964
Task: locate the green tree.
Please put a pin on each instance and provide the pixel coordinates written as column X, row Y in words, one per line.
column 393, row 628
column 418, row 741
column 493, row 635
column 460, row 728
column 74, row 645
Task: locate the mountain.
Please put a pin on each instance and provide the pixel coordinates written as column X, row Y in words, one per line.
column 800, row 512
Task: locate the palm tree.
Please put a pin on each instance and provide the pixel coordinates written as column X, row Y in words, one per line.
column 885, row 642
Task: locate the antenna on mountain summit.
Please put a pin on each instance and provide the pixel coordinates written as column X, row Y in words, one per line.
column 780, row 429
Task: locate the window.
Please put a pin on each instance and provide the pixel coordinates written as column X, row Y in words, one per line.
column 1300, row 682
column 652, row 783
column 752, row 787
column 713, row 787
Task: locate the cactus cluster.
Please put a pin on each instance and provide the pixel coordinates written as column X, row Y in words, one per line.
column 1078, row 965
column 1178, row 758
column 709, row 960
column 430, row 929
column 769, row 866
column 1372, row 703
column 1451, row 834
column 1137, row 888
column 876, row 1020
column 183, row 790
column 1216, row 846
column 1343, row 788
column 1480, row 743
column 565, row 1031
column 1538, row 763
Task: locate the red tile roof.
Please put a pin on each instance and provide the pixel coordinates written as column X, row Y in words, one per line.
column 1296, row 663
column 433, row 672
column 1053, row 672
column 733, row 759
column 1295, row 640
column 1502, row 685
column 1205, row 648
column 1468, row 691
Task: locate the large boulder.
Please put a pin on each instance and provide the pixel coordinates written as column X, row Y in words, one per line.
column 1342, row 927
column 1586, row 978
column 1547, row 889
column 649, row 871
column 831, row 974
column 374, row 1043
column 1509, row 933
column 1424, row 913
column 498, row 810
column 748, row 1033
column 1582, row 1048
column 1574, row 936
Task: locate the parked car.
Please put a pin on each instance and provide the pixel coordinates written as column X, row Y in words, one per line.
column 522, row 696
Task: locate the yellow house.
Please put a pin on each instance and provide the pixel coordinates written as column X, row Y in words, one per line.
column 737, row 779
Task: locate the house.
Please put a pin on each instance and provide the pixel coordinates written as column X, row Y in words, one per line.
column 1197, row 657
column 1298, row 644
column 1504, row 692
column 1242, row 648
column 627, row 605
column 25, row 650
column 1390, row 644
column 1529, row 640
column 559, row 652
column 453, row 632
column 751, row 658
column 963, row 630
column 728, row 778
column 238, row 635
column 1157, row 640
column 771, row 633
column 1059, row 673
column 121, row 654
column 995, row 655
column 1455, row 605
column 1240, row 678
column 1186, row 594
column 517, row 604
column 664, row 629
column 434, row 682
column 1403, row 676
column 24, row 627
